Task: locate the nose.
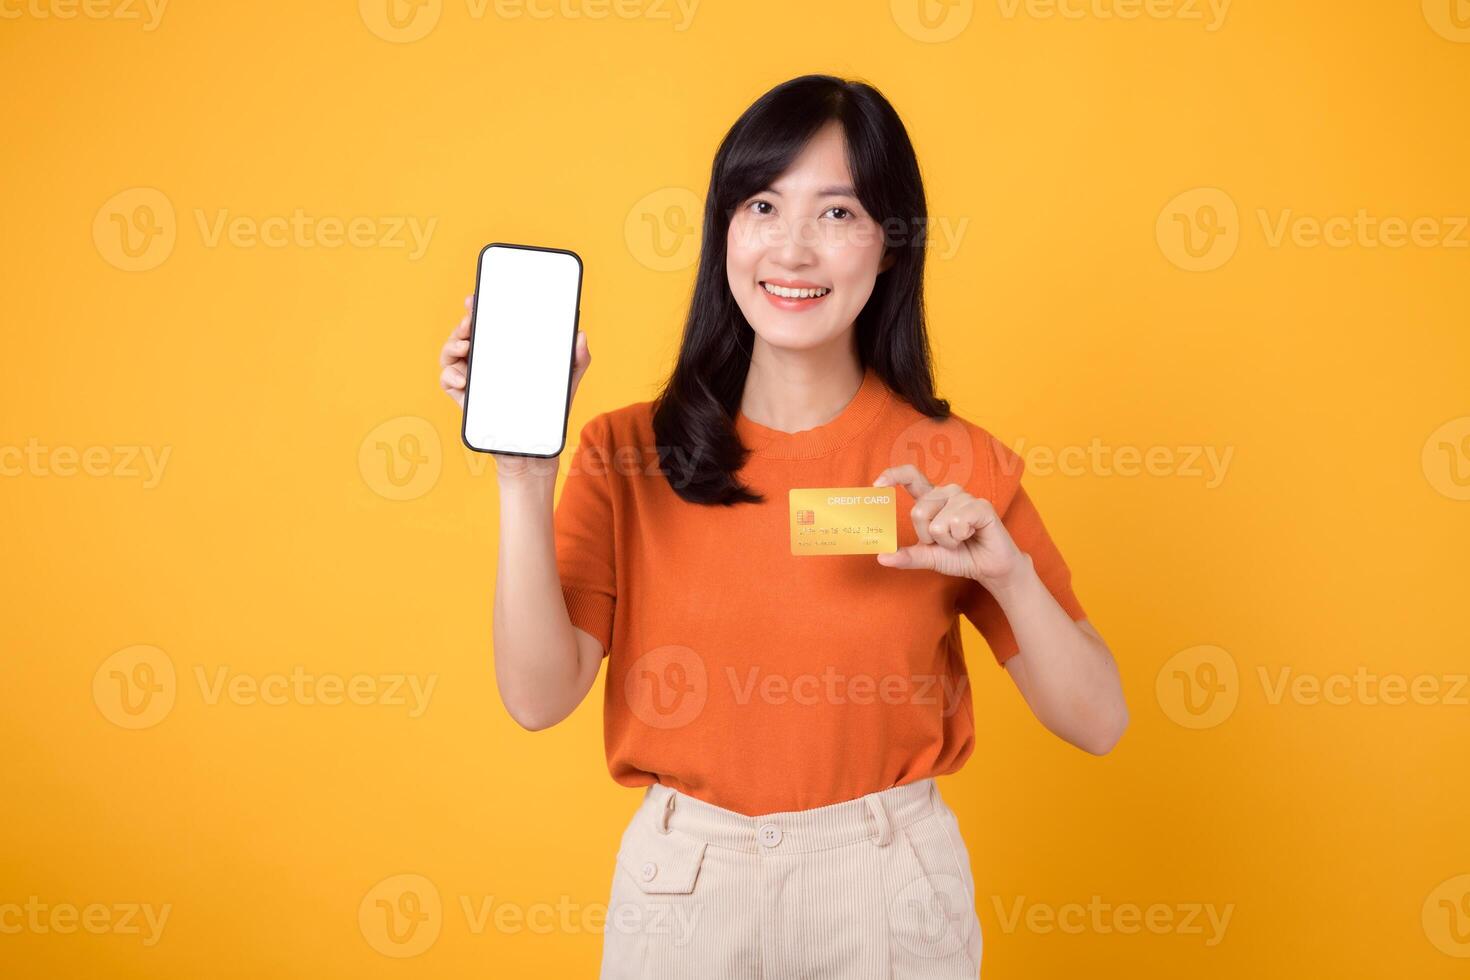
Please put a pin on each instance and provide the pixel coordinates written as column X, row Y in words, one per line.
column 794, row 248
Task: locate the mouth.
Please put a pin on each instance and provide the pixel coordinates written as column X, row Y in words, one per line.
column 794, row 297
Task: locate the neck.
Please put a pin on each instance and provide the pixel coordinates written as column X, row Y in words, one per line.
column 795, row 390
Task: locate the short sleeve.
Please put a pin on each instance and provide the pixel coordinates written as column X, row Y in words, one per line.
column 585, row 556
column 1002, row 486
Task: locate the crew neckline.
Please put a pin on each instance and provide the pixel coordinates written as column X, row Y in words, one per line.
column 866, row 405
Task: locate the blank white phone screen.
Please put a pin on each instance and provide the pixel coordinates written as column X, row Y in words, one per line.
column 521, row 350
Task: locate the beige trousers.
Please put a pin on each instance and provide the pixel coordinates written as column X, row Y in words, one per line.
column 876, row 888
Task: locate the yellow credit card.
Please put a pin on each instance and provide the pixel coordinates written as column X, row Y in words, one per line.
column 844, row 520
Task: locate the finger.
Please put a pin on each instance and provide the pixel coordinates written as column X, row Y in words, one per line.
column 922, row 556
column 461, row 329
column 906, row 476
column 981, row 513
column 581, row 356
column 918, row 486
column 469, row 301
column 453, row 350
column 451, row 378
column 926, row 509
column 953, row 522
column 948, row 530
column 922, row 515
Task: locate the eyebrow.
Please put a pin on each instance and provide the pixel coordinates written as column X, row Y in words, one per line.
column 839, row 190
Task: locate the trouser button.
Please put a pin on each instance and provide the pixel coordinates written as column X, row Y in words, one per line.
column 770, row 834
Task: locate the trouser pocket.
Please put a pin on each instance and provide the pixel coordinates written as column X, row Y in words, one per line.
column 655, row 908
column 933, row 928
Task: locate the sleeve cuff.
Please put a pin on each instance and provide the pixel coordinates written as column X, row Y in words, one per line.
column 997, row 629
column 591, row 611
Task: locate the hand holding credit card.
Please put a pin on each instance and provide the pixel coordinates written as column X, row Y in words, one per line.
column 844, row 520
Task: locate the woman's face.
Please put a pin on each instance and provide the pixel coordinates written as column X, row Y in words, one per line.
column 806, row 232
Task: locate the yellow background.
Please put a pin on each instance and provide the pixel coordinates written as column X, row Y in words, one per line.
column 1335, row 833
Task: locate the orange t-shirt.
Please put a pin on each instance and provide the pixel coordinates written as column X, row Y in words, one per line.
column 761, row 681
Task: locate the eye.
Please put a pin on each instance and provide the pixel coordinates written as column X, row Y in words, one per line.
column 840, row 208
column 757, row 202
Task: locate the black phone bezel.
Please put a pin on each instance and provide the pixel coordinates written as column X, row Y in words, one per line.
column 469, row 355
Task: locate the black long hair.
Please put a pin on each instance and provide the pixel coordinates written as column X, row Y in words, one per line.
column 693, row 414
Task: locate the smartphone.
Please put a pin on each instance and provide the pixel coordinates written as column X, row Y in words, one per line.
column 523, row 345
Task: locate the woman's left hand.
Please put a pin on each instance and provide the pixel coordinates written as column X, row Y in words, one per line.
column 959, row 534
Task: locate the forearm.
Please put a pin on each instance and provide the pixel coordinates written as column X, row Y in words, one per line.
column 536, row 661
column 1067, row 674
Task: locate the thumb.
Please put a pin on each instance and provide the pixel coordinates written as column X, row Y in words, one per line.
column 581, row 360
column 912, row 556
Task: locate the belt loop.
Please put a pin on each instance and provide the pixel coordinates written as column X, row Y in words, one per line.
column 875, row 806
column 663, row 816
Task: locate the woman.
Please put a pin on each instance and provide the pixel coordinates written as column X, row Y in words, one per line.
column 788, row 712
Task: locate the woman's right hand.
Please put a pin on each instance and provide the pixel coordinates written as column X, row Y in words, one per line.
column 454, row 364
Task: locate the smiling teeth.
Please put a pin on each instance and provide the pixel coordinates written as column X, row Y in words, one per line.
column 795, row 293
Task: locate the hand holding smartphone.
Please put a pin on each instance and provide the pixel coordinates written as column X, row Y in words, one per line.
column 516, row 356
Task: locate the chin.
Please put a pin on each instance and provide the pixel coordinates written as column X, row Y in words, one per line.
column 790, row 334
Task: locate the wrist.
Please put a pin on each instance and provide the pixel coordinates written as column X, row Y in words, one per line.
column 526, row 486
column 1016, row 583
